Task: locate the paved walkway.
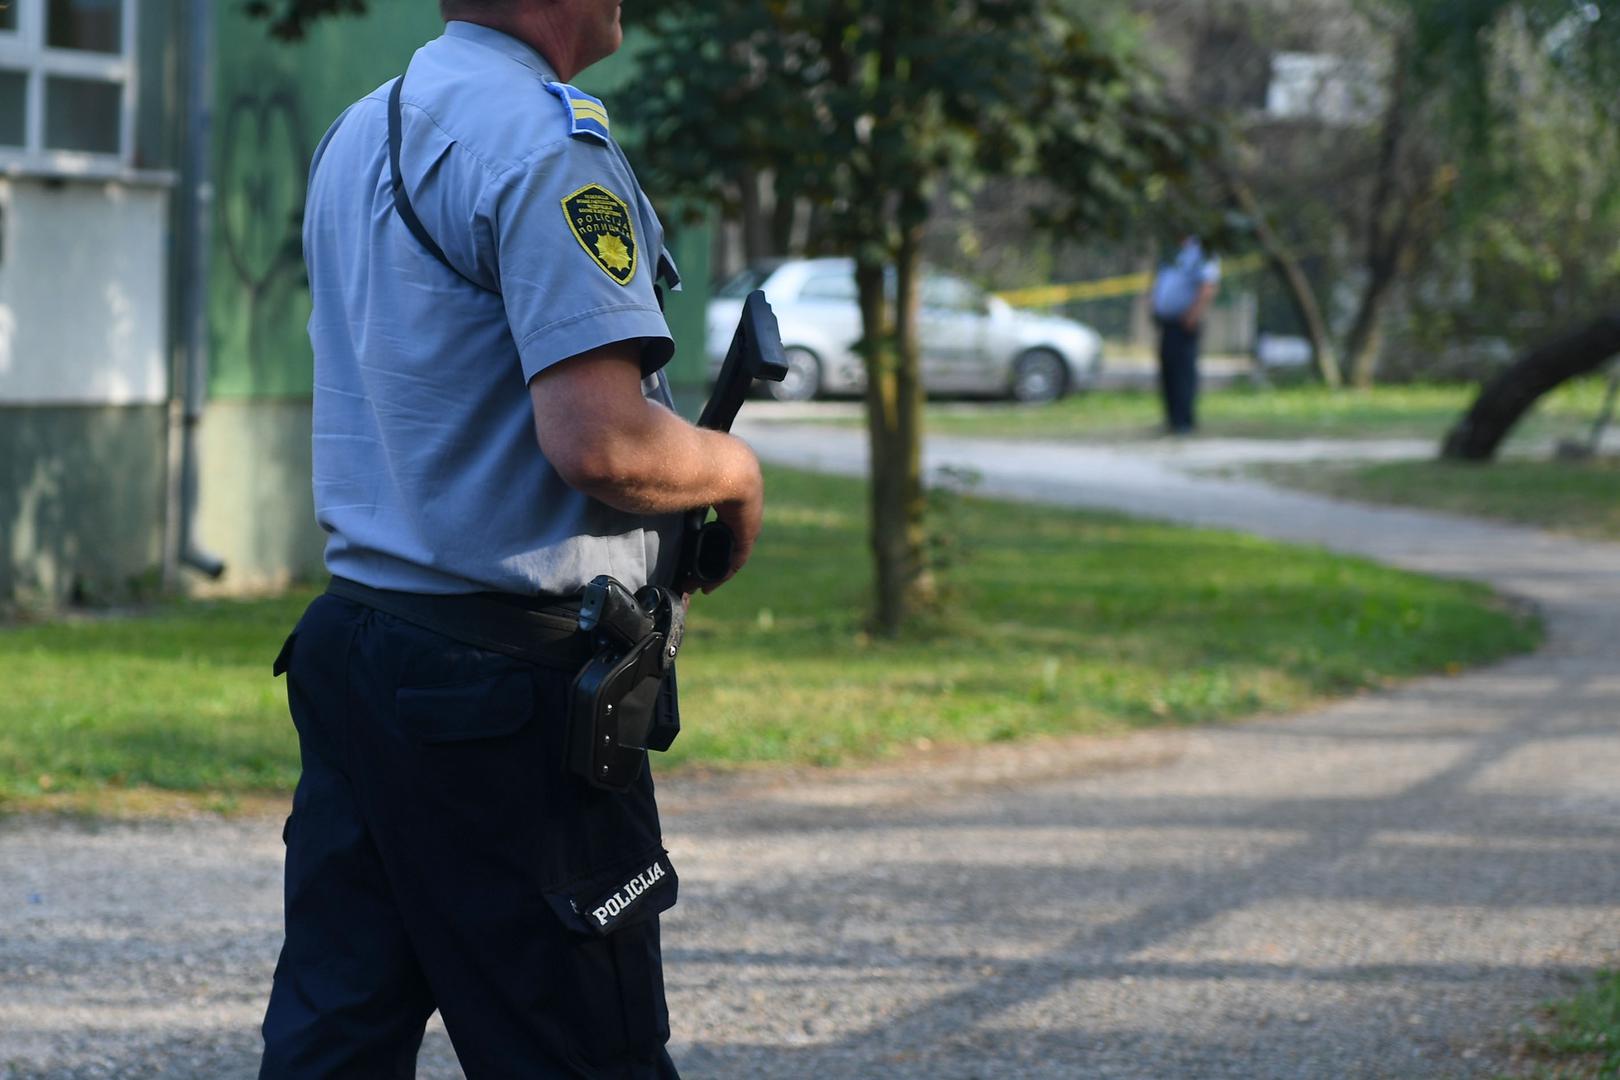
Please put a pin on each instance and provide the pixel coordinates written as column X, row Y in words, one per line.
column 1381, row 888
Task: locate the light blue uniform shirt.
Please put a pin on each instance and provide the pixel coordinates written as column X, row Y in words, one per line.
column 428, row 476
column 1178, row 282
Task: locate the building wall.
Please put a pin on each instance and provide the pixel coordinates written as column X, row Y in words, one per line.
column 82, row 299
column 273, row 102
column 258, row 510
column 83, row 381
column 81, row 502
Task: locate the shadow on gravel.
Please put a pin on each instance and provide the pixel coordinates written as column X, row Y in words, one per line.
column 1447, row 843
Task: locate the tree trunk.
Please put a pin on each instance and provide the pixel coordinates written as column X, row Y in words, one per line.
column 1509, row 396
column 886, row 531
column 894, row 426
column 1298, row 287
column 1142, row 332
column 756, row 233
column 1388, row 228
column 784, row 211
column 919, row 581
column 1366, row 332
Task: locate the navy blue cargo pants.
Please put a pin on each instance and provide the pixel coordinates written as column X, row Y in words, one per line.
column 440, row 856
column 1178, row 375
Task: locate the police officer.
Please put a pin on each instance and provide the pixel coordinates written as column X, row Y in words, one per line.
column 1182, row 292
column 492, row 429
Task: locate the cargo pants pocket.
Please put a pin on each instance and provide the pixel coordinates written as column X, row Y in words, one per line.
column 611, row 919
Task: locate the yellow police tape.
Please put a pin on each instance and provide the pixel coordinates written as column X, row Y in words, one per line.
column 1105, row 288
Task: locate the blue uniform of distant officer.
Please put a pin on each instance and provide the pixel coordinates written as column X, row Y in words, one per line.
column 1182, row 290
column 439, row 855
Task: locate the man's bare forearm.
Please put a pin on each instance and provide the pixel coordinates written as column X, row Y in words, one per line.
column 663, row 464
column 606, row 440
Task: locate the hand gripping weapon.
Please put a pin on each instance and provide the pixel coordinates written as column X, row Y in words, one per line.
column 755, row 353
column 615, row 713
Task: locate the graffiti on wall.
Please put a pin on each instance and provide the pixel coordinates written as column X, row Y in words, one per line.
column 265, row 157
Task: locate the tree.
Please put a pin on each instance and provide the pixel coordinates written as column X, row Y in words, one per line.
column 1220, row 58
column 1416, row 179
column 1331, row 146
column 289, row 19
column 876, row 113
column 1411, row 180
column 1284, row 263
column 1581, row 42
column 1508, row 397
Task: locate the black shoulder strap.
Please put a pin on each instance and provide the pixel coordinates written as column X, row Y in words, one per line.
column 402, row 202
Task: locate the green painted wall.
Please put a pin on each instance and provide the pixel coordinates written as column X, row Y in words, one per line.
column 686, row 311
column 81, row 502
column 273, row 104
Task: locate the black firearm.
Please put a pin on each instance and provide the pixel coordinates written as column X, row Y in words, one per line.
column 755, row 353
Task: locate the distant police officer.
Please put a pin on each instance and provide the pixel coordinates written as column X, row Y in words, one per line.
column 1182, row 292
column 491, row 431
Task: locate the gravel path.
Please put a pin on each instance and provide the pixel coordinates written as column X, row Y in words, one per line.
column 1382, row 888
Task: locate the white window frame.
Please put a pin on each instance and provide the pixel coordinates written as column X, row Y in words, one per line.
column 24, row 50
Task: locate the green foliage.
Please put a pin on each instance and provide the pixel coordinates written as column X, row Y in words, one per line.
column 1541, row 250
column 1505, row 65
column 1455, row 38
column 851, row 104
column 1070, row 622
column 288, row 20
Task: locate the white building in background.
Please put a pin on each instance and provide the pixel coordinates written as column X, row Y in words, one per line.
column 1323, row 88
column 88, row 118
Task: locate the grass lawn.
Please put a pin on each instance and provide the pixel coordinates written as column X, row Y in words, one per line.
column 1279, row 413
column 1583, row 1039
column 1578, row 497
column 1065, row 622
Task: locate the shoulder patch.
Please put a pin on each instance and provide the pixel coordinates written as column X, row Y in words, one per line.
column 587, row 116
column 601, row 222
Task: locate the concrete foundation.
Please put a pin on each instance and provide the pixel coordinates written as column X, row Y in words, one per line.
column 256, row 511
column 81, row 503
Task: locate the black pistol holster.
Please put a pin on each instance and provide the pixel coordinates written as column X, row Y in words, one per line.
column 622, row 703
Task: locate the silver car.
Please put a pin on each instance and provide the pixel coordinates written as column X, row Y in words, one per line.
column 972, row 342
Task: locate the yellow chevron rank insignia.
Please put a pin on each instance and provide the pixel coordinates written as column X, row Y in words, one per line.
column 601, row 222
column 587, row 116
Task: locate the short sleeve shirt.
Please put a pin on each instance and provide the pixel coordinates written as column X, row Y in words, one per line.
column 1178, row 282
column 428, row 475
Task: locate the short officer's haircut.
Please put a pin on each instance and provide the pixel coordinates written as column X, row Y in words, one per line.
column 454, row 9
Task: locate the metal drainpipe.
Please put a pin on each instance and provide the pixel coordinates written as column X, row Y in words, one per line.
column 199, row 203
